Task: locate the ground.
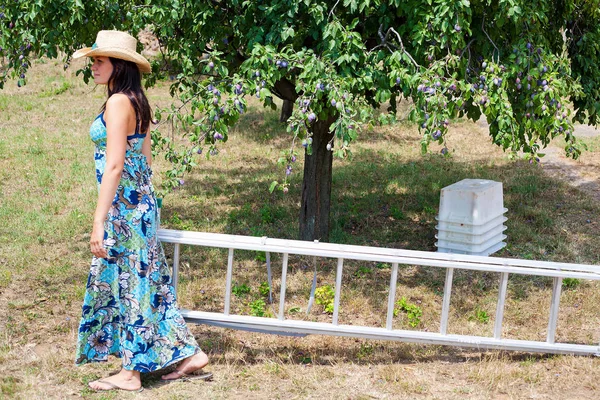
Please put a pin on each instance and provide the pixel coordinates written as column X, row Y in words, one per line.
column 386, row 196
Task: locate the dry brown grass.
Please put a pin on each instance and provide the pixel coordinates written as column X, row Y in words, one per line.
column 383, row 197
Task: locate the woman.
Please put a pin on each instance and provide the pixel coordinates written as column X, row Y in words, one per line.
column 129, row 308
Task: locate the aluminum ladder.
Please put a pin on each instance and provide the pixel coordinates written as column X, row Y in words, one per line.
column 281, row 325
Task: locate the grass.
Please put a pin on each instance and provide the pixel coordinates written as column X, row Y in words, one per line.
column 387, row 195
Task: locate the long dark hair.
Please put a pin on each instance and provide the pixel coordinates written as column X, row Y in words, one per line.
column 126, row 79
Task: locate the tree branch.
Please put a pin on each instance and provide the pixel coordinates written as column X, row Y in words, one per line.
column 489, row 38
column 402, row 46
column 333, row 8
column 286, row 90
column 390, row 46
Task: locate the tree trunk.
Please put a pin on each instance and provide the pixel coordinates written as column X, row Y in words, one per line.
column 316, row 185
column 286, row 110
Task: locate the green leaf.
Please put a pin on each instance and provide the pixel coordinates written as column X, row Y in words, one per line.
column 273, row 186
column 287, row 33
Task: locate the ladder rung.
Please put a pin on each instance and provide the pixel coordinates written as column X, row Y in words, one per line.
column 556, row 289
column 446, row 304
column 175, row 278
column 500, row 305
column 282, row 291
column 392, row 296
column 228, row 282
column 338, row 290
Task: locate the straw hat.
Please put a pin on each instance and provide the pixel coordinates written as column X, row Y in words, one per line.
column 115, row 44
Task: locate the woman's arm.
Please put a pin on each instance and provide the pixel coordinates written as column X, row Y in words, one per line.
column 147, row 148
column 118, row 115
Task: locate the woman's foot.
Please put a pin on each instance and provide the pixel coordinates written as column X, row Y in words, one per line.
column 124, row 380
column 188, row 366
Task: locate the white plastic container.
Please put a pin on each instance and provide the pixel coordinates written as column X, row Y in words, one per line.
column 471, row 248
column 469, row 238
column 469, row 228
column 485, row 252
column 471, row 201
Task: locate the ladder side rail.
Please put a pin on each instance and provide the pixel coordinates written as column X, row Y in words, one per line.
column 422, row 262
column 323, row 328
column 225, row 240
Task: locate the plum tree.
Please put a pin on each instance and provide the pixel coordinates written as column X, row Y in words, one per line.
column 530, row 67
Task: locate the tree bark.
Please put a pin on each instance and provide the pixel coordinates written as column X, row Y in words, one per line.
column 316, row 185
column 286, row 110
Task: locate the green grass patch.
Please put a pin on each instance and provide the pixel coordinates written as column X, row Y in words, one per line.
column 387, row 195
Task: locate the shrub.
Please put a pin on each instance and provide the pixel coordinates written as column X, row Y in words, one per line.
column 325, row 295
column 413, row 312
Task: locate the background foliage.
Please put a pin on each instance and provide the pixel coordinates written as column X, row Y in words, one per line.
column 530, row 67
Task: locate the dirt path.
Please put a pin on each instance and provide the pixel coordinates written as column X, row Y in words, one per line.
column 583, row 173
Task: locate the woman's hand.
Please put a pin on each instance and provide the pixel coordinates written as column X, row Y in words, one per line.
column 97, row 240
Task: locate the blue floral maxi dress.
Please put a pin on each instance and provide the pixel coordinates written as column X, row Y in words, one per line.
column 129, row 309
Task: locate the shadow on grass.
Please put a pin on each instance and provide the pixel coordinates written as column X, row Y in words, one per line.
column 378, row 201
column 217, row 343
column 261, row 125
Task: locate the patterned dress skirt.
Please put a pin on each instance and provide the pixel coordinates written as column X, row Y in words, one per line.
column 129, row 309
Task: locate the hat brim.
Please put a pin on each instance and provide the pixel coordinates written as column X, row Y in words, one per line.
column 121, row 54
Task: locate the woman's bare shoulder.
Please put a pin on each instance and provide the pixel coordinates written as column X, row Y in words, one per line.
column 118, row 107
column 118, row 100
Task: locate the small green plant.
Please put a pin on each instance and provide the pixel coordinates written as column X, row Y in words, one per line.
column 264, row 289
column 241, row 290
column 325, row 295
column 177, row 222
column 5, row 278
column 570, row 283
column 429, row 210
column 257, row 308
column 266, row 214
column 413, row 311
column 396, row 213
column 362, row 271
column 261, row 256
column 366, row 350
column 382, row 266
column 55, row 91
column 8, row 386
column 294, row 310
column 481, row 316
column 305, row 359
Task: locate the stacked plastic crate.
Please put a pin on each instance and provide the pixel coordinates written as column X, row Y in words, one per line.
column 471, row 218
